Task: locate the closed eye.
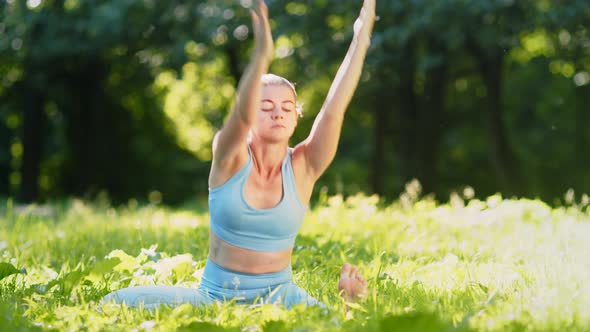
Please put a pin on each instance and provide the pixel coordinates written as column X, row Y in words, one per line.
column 288, row 106
column 267, row 105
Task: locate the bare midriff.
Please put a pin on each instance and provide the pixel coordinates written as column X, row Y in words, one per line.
column 243, row 260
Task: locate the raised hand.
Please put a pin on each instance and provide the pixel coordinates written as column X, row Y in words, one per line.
column 363, row 26
column 262, row 35
column 321, row 144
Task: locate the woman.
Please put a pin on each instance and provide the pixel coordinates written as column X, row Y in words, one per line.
column 260, row 188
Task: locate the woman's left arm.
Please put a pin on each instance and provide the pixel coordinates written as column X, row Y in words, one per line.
column 320, row 146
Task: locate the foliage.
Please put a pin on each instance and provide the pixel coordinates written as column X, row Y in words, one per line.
column 123, row 96
column 495, row 264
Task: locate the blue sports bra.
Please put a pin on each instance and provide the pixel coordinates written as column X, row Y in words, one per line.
column 236, row 222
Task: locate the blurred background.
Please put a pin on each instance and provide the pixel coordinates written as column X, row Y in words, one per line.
column 123, row 97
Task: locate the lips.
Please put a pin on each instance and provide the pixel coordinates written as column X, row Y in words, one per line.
column 278, row 126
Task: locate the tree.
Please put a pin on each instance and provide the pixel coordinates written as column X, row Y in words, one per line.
column 96, row 64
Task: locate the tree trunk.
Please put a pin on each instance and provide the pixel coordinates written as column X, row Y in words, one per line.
column 34, row 122
column 502, row 154
column 503, row 159
column 86, row 129
column 5, row 156
column 431, row 117
column 582, row 135
column 407, row 113
column 34, row 126
column 377, row 176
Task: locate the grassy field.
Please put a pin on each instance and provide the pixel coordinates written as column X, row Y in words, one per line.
column 492, row 265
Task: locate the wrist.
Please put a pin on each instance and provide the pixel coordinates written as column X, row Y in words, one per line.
column 261, row 62
column 264, row 56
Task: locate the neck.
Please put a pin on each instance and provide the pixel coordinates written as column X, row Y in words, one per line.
column 268, row 157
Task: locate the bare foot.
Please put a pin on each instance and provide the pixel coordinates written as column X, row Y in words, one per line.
column 352, row 286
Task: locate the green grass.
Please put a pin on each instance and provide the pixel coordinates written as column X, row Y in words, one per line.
column 493, row 265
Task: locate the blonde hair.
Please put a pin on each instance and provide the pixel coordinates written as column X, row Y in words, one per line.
column 272, row 79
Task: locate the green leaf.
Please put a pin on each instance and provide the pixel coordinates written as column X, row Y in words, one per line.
column 105, row 266
column 415, row 322
column 7, row 269
column 206, row 327
column 128, row 263
column 356, row 306
column 274, row 326
column 101, row 268
column 72, row 279
column 179, row 266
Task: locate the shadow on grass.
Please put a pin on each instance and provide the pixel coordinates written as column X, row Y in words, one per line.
column 13, row 320
column 418, row 322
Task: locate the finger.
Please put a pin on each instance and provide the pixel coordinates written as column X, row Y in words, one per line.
column 257, row 9
column 255, row 22
column 260, row 8
column 262, row 15
column 263, row 8
column 254, row 16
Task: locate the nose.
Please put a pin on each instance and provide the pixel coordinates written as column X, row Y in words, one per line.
column 276, row 113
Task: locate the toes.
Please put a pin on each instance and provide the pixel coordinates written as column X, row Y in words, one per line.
column 345, row 271
column 361, row 278
column 355, row 274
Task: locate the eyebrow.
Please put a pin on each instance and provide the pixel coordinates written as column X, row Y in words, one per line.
column 284, row 101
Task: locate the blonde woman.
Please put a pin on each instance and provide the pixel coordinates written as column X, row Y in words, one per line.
column 259, row 187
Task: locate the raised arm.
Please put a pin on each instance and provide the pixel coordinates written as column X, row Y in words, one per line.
column 321, row 144
column 230, row 142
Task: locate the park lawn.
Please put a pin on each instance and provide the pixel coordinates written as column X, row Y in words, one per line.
column 493, row 265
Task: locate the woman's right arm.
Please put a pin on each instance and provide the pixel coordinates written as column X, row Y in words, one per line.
column 229, row 144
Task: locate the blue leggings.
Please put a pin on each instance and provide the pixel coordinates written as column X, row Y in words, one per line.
column 219, row 284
